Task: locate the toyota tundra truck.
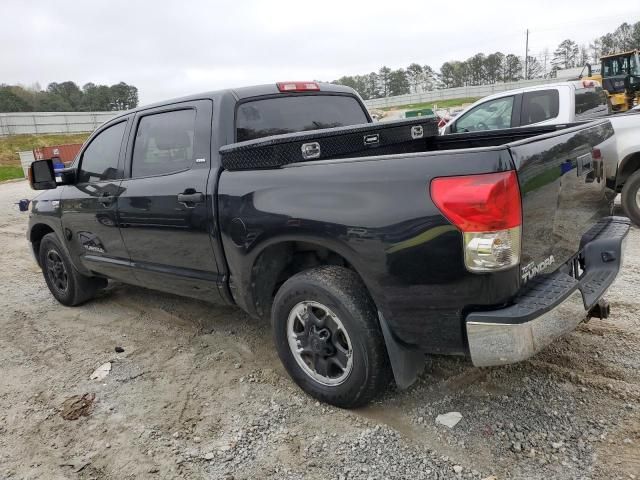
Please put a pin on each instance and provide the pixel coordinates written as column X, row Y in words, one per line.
column 366, row 245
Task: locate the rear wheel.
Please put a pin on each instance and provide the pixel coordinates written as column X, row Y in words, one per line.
column 631, row 197
column 65, row 283
column 327, row 335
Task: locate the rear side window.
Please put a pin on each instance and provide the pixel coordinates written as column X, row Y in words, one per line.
column 100, row 158
column 164, row 143
column 289, row 114
column 539, row 106
column 590, row 103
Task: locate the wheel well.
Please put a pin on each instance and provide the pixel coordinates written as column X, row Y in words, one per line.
column 37, row 232
column 277, row 263
column 630, row 165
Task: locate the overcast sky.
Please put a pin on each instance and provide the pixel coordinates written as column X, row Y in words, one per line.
column 173, row 48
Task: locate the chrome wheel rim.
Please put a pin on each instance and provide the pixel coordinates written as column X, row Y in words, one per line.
column 57, row 271
column 319, row 343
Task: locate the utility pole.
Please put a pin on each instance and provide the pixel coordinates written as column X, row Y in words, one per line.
column 526, row 57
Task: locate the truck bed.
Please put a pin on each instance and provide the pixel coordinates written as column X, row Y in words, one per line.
column 375, row 211
column 394, row 137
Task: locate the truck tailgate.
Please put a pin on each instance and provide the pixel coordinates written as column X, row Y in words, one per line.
column 563, row 193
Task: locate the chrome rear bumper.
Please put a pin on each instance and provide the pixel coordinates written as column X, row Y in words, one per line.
column 550, row 305
column 502, row 343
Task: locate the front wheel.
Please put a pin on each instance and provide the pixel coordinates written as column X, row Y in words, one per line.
column 327, row 335
column 65, row 283
column 630, row 197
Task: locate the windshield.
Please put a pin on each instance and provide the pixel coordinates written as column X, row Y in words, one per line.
column 622, row 65
column 296, row 113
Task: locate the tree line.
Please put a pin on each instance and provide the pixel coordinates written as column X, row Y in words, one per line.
column 486, row 69
column 68, row 97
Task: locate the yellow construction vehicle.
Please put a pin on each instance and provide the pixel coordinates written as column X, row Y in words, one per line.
column 620, row 77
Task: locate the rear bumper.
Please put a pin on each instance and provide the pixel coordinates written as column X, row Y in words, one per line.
column 551, row 305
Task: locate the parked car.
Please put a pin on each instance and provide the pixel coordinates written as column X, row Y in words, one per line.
column 562, row 104
column 551, row 104
column 366, row 245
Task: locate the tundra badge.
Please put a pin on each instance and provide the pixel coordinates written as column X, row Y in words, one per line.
column 531, row 269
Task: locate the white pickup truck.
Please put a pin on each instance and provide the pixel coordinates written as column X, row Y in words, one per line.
column 557, row 104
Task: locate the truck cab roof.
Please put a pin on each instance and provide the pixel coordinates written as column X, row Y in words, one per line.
column 243, row 93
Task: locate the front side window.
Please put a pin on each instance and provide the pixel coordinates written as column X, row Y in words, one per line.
column 491, row 115
column 100, row 158
column 164, row 143
column 539, row 106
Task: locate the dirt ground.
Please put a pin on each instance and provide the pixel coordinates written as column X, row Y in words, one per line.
column 199, row 393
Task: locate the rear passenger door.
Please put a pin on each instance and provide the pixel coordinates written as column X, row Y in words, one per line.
column 165, row 208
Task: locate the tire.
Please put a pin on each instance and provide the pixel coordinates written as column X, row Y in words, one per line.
column 631, row 197
column 65, row 283
column 347, row 367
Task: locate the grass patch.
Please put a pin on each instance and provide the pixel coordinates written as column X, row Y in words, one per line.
column 18, row 143
column 8, row 173
column 446, row 103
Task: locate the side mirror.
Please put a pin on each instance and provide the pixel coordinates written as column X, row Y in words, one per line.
column 41, row 175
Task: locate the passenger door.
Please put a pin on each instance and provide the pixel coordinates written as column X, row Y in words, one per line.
column 88, row 207
column 165, row 208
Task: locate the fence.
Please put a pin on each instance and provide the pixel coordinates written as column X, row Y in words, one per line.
column 52, row 122
column 449, row 93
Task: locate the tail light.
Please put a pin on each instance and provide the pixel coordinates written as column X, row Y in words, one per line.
column 297, row 86
column 487, row 210
column 596, row 154
column 588, row 84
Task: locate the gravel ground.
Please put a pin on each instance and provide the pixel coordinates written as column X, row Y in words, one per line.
column 199, row 393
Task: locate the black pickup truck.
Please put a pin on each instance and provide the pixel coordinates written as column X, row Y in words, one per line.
column 366, row 244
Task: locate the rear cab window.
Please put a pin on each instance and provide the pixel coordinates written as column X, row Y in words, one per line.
column 296, row 113
column 539, row 106
column 591, row 102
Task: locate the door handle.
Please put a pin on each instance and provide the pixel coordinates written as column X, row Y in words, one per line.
column 195, row 197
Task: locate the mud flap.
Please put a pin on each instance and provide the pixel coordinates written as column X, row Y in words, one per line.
column 406, row 363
